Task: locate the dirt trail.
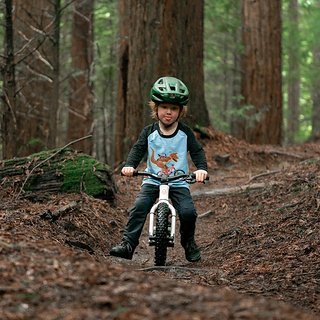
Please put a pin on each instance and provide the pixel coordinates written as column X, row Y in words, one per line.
column 260, row 248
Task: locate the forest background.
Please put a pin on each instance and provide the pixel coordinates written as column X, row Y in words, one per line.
column 70, row 69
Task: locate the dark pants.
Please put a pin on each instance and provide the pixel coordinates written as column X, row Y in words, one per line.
column 181, row 200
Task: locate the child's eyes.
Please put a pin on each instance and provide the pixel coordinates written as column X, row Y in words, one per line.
column 174, row 108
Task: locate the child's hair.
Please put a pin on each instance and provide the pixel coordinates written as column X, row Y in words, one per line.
column 154, row 110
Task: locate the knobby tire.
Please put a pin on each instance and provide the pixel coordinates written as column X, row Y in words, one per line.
column 161, row 239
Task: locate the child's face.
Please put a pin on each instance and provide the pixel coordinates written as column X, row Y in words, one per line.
column 168, row 113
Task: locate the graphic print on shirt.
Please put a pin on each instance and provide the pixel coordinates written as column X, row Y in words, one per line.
column 164, row 162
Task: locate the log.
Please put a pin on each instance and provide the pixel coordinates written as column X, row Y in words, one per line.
column 61, row 171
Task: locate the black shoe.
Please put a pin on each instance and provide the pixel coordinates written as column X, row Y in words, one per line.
column 192, row 251
column 122, row 250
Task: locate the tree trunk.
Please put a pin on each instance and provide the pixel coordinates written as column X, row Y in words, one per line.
column 105, row 88
column 261, row 69
column 8, row 120
column 81, row 99
column 190, row 57
column 54, row 103
column 58, row 171
column 155, row 42
column 293, row 71
column 34, row 56
column 120, row 119
column 315, row 134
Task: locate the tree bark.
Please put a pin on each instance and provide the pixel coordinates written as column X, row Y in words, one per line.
column 120, row 118
column 159, row 38
column 315, row 134
column 261, row 86
column 293, row 71
column 54, row 102
column 81, row 99
column 34, row 55
column 8, row 120
column 190, row 55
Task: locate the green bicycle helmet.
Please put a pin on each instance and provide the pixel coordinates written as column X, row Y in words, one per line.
column 169, row 90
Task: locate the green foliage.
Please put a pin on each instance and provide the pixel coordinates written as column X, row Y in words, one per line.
column 105, row 35
column 35, row 142
column 222, row 51
column 222, row 45
column 223, row 48
column 308, row 36
column 242, row 112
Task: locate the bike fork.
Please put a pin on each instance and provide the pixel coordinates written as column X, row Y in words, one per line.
column 163, row 198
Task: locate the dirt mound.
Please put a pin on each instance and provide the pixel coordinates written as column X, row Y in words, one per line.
column 260, row 247
column 226, row 151
column 266, row 241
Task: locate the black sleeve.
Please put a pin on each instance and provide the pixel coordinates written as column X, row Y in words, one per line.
column 196, row 151
column 138, row 150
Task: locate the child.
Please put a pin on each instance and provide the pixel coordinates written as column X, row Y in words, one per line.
column 167, row 143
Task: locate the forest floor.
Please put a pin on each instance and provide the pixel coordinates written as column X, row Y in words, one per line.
column 258, row 229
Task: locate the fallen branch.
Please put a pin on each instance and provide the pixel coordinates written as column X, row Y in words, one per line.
column 205, row 214
column 263, row 175
column 233, row 190
column 282, row 153
column 53, row 216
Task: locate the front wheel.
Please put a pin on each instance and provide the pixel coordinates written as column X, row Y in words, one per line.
column 161, row 236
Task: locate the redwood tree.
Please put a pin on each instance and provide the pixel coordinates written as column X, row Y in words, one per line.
column 293, row 71
column 315, row 134
column 81, row 98
column 261, row 73
column 158, row 38
column 34, row 25
column 8, row 110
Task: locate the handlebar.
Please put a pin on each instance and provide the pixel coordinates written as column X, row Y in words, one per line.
column 163, row 178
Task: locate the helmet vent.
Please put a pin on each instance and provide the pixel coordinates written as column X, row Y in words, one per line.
column 169, row 90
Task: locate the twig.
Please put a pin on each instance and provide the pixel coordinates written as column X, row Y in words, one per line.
column 263, row 175
column 207, row 213
column 53, row 216
column 47, row 159
column 290, row 205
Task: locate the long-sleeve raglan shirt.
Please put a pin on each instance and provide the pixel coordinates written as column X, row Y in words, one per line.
column 167, row 153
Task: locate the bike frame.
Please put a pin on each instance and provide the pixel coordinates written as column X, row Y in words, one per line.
column 163, row 198
column 162, row 216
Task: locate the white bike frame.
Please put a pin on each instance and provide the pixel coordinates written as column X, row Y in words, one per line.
column 163, row 198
